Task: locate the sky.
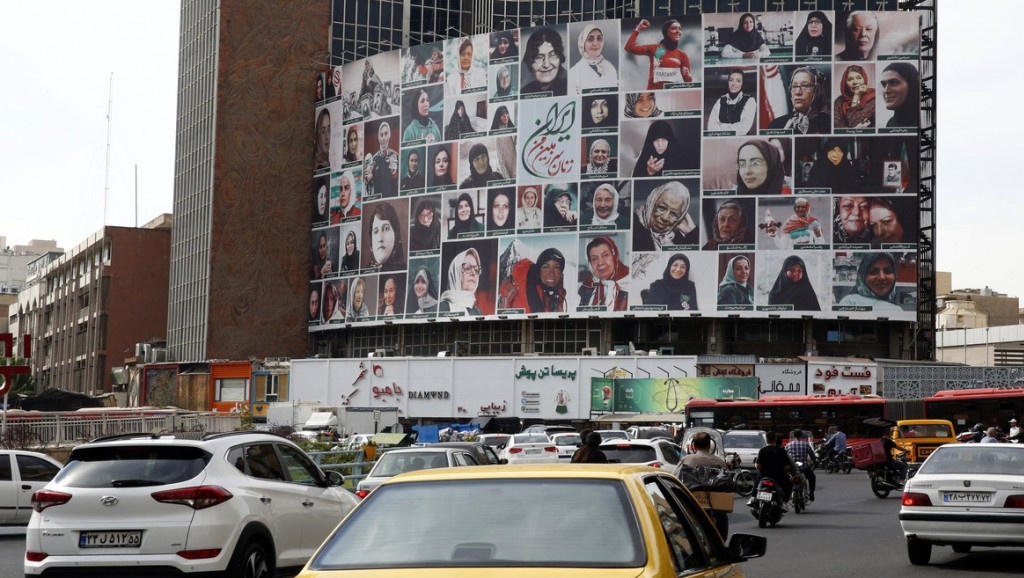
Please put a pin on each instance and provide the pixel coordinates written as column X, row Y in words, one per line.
column 63, row 62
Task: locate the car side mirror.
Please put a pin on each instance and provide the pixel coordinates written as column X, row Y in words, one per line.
column 335, row 478
column 744, row 546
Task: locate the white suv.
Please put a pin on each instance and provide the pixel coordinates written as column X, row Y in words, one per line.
column 240, row 503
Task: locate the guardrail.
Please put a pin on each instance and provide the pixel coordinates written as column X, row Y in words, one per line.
column 57, row 429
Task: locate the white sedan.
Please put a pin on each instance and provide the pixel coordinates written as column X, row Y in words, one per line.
column 567, row 444
column 529, row 448
column 657, row 453
column 965, row 495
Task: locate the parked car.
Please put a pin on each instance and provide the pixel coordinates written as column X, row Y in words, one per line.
column 567, row 444
column 353, row 442
column 238, row 503
column 495, row 440
column 745, row 443
column 612, row 434
column 22, row 473
column 483, row 453
column 964, row 495
column 657, row 453
column 529, row 448
column 647, row 524
column 394, row 462
column 549, row 429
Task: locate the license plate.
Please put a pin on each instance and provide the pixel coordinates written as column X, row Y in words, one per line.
column 110, row 539
column 964, row 497
column 766, row 496
column 532, row 452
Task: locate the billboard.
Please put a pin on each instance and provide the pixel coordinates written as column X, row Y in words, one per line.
column 717, row 164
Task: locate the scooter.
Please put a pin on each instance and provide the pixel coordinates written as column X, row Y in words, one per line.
column 766, row 503
column 801, row 490
column 885, row 480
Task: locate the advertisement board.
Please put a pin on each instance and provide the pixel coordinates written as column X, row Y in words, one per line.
column 718, row 164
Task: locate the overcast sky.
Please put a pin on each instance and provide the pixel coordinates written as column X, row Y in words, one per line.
column 58, row 58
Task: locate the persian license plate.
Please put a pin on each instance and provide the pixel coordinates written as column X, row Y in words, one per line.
column 965, row 497
column 532, row 451
column 766, row 496
column 110, row 539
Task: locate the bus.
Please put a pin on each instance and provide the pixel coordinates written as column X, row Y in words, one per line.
column 784, row 413
column 990, row 406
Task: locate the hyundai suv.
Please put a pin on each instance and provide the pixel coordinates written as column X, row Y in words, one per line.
column 241, row 504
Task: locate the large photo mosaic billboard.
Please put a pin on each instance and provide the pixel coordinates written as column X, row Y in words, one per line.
column 716, row 164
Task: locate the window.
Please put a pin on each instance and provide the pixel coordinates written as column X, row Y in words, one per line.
column 301, row 469
column 231, row 389
column 33, row 469
column 261, row 461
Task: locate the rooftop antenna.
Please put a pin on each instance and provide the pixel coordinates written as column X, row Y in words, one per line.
column 106, row 175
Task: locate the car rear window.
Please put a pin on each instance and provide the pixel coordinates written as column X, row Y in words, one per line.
column 744, row 441
column 132, row 466
column 629, row 454
column 394, row 463
column 543, row 522
column 972, row 459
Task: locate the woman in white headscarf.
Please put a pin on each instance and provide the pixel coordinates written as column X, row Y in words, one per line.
column 529, row 216
column 593, row 70
column 463, row 279
column 664, row 219
column 604, row 208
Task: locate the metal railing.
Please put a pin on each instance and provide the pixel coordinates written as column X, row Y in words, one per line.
column 57, row 429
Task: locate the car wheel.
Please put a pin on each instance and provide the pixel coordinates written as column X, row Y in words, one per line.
column 919, row 552
column 253, row 563
column 962, row 548
column 744, row 483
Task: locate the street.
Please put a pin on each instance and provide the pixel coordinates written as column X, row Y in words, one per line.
column 847, row 531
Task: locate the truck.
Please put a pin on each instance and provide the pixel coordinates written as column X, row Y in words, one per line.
column 920, row 437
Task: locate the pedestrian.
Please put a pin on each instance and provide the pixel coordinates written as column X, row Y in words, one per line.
column 588, row 453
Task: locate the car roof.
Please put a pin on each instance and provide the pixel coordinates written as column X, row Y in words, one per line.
column 745, row 432
column 635, row 442
column 596, row 471
column 184, row 438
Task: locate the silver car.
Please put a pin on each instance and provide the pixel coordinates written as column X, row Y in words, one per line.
column 394, row 462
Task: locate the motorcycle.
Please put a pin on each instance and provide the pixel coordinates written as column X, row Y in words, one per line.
column 833, row 462
column 801, row 490
column 885, row 480
column 766, row 503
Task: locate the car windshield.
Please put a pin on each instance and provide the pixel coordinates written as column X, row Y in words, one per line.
column 745, row 441
column 629, row 454
column 394, row 463
column 975, row 459
column 124, row 466
column 928, row 430
column 543, row 522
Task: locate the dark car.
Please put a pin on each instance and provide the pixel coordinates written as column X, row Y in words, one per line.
column 483, row 453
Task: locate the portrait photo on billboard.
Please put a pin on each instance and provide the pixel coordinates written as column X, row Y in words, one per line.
column 876, row 282
column 561, row 207
column 736, row 281
column 384, row 232
column 362, row 293
column 529, row 209
column 333, row 88
column 316, row 288
column 748, row 166
column 893, row 222
column 324, row 249
column 391, row 299
column 600, row 156
column 504, row 82
column 423, row 292
column 727, row 223
column 730, row 100
column 672, row 281
column 600, row 113
column 603, row 271
column 466, row 65
column 422, row 114
column 793, row 281
column 489, row 161
column 899, row 83
column 503, row 119
column 853, row 110
column 327, row 138
column 350, row 242
column 504, row 46
column 666, row 215
column 594, row 57
column 422, row 64
column 797, row 99
column 882, row 35
column 319, row 91
column 353, row 153
column 346, row 195
column 544, row 67
column 371, row 87
column 794, row 222
column 321, row 200
column 463, row 211
column 381, row 164
column 532, row 274
column 605, row 205
column 549, row 136
column 501, row 211
column 412, row 176
column 425, row 225
column 814, row 40
column 851, row 222
column 333, row 303
column 442, row 167
column 660, row 148
column 734, row 39
column 466, row 117
column 661, row 52
column 470, row 272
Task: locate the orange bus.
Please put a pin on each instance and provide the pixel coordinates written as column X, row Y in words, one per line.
column 991, row 406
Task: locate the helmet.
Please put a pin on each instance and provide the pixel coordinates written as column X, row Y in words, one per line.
column 978, row 427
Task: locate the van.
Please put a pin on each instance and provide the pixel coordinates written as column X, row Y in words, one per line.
column 920, row 437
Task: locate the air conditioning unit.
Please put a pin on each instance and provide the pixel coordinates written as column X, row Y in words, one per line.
column 141, row 350
column 158, row 355
column 589, row 351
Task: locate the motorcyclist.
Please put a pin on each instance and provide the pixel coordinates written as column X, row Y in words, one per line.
column 891, row 463
column 773, row 462
column 702, row 457
column 802, row 452
column 977, row 433
column 836, row 442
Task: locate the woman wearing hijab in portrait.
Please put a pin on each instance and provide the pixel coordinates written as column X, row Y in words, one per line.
column 599, row 111
column 545, row 58
column 391, row 299
column 735, row 110
column 333, row 303
column 604, row 209
column 663, row 220
column 735, row 288
column 387, row 251
column 501, row 217
column 593, row 71
column 421, row 127
column 413, row 178
column 761, row 170
column 599, row 287
column 809, row 95
column 661, row 152
column 459, row 123
column 536, row 287
column 558, row 208
column 668, row 63
column 792, row 287
column 901, row 85
column 876, row 284
column 834, row 169
column 314, row 304
column 802, row 228
column 503, row 80
column 674, row 289
column 480, row 171
column 322, row 157
column 346, row 198
column 850, row 220
column 746, row 41
column 423, row 297
column 465, row 218
column 467, row 75
column 352, row 145
column 358, row 311
column 502, row 119
column 463, row 280
column 425, row 232
column 350, row 260
column 322, row 263
column 601, row 161
column 529, row 212
column 861, row 34
column 440, row 168
column 855, row 107
column 729, row 227
column 504, row 46
column 816, row 37
column 641, row 105
column 321, row 199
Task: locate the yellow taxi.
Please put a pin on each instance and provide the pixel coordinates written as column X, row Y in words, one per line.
column 531, row 520
column 920, row 437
